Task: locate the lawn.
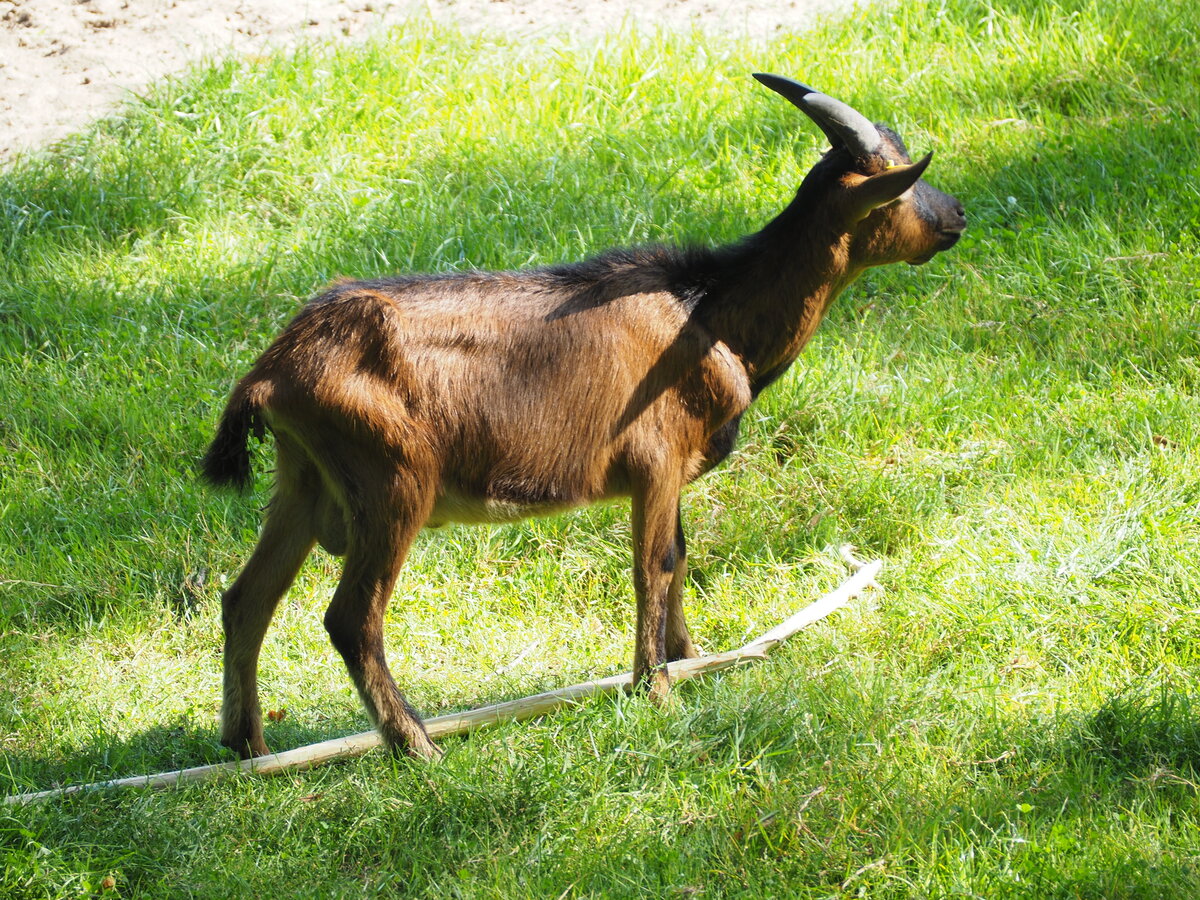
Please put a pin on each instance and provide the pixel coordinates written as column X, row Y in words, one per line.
column 1012, row 428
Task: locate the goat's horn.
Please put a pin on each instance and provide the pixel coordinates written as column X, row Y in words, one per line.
column 842, row 124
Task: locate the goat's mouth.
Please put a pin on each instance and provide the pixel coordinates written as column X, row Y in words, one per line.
column 948, row 237
column 946, row 240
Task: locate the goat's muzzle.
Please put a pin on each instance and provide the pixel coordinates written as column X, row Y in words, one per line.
column 950, row 225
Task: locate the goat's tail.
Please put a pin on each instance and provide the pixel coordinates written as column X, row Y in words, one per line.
column 227, row 462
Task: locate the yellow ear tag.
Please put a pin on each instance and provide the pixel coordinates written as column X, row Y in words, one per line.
column 891, row 164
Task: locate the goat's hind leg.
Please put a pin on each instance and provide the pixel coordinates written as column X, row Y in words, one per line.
column 380, row 535
column 246, row 611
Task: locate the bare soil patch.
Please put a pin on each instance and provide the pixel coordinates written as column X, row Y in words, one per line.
column 65, row 62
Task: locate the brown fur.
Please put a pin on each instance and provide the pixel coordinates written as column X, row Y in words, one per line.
column 414, row 401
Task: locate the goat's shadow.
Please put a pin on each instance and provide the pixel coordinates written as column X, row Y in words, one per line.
column 154, row 750
column 185, row 744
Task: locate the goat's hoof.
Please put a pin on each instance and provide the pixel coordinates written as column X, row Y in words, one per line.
column 247, row 748
column 429, row 751
column 656, row 685
column 415, row 746
column 660, row 691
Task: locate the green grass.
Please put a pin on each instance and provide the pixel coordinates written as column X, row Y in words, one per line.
column 1013, row 427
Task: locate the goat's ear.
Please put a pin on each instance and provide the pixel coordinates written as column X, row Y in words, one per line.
column 879, row 190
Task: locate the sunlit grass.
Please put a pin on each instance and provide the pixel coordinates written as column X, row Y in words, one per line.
column 1012, row 427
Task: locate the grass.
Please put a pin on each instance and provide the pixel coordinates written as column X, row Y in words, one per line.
column 1013, row 427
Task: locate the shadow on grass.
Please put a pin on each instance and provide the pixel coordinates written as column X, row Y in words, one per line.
column 125, row 203
column 187, row 744
column 163, row 748
column 1144, row 734
column 1135, row 763
column 501, row 796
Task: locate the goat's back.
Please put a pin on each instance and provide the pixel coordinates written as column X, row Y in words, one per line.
column 517, row 393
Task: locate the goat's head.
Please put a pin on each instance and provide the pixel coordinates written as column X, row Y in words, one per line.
column 871, row 188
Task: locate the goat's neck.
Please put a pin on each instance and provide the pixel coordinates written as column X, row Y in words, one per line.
column 785, row 278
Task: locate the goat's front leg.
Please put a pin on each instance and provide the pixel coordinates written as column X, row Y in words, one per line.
column 655, row 563
column 679, row 639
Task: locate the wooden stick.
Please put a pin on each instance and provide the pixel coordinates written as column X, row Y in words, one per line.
column 512, row 711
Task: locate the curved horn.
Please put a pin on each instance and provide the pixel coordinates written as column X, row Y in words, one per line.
column 842, row 124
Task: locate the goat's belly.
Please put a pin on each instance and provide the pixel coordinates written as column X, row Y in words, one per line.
column 470, row 510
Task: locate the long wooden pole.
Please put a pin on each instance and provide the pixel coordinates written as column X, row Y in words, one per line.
column 512, row 711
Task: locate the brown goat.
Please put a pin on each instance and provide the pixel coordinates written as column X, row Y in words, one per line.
column 403, row 402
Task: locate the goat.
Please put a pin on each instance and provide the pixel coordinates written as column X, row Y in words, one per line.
column 411, row 401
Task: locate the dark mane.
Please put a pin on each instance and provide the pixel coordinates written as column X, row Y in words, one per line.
column 689, row 274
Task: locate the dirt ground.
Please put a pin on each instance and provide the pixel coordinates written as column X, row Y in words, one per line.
column 65, row 62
